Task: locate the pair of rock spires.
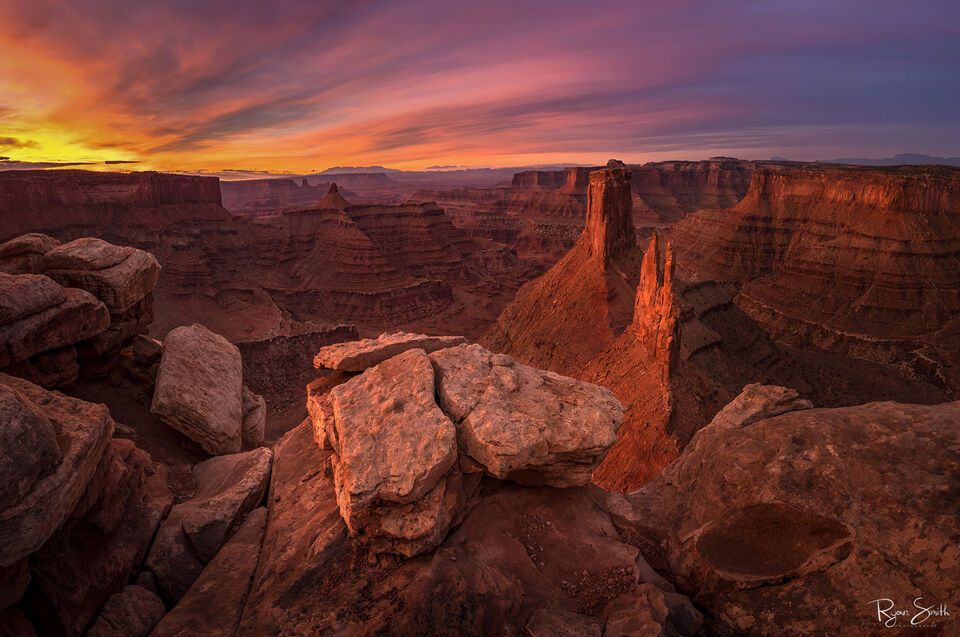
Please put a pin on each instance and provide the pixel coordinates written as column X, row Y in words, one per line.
column 610, row 233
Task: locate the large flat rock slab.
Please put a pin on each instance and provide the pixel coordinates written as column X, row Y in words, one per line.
column 356, row 356
column 199, row 388
column 118, row 276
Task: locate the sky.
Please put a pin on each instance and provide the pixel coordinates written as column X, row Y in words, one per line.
column 300, row 86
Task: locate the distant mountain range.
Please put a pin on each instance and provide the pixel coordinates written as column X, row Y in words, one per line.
column 897, row 160
column 338, row 170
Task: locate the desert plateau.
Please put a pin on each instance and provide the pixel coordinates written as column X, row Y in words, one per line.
column 491, row 319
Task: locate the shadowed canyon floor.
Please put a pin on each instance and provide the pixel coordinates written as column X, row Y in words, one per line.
column 724, row 409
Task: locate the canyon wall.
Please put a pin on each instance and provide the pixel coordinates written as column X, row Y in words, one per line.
column 861, row 262
column 543, row 212
column 258, row 277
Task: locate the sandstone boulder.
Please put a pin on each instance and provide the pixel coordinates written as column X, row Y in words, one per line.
column 523, row 558
column 783, row 519
column 356, row 356
column 133, row 612
column 525, row 424
column 24, row 254
column 212, row 606
column 83, row 431
column 406, row 468
column 43, row 318
column 393, row 450
column 118, row 276
column 199, row 388
column 88, row 253
column 24, row 295
column 227, row 488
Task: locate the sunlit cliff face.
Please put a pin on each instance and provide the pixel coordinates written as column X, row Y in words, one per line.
column 299, row 86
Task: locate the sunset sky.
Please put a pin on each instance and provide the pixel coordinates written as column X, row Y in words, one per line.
column 301, row 86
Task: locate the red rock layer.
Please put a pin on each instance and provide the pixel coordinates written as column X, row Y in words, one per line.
column 863, row 262
column 258, row 277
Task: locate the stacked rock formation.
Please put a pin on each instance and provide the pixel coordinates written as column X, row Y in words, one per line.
column 79, row 509
column 199, row 391
column 412, row 436
column 70, row 306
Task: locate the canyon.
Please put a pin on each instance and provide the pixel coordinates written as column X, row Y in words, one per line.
column 679, row 398
column 542, row 213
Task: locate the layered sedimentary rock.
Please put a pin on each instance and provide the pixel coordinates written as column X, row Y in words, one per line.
column 783, row 519
column 40, row 316
column 24, row 254
column 259, row 277
column 688, row 351
column 564, row 318
column 543, row 212
column 74, row 305
column 412, row 436
column 855, row 261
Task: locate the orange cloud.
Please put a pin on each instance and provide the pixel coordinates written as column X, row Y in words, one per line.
column 298, row 85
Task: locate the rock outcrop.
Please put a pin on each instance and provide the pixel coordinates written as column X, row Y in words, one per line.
column 609, row 224
column 82, row 432
column 213, row 604
column 783, row 519
column 199, row 389
column 72, row 306
column 272, row 196
column 102, row 544
column 356, row 356
column 561, row 320
column 523, row 557
column 255, row 278
column 543, row 212
column 228, row 487
column 413, row 435
column 133, row 612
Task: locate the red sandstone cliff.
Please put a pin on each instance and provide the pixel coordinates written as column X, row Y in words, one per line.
column 675, row 351
column 864, row 262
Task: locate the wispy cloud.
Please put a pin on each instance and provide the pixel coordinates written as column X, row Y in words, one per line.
column 300, row 85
